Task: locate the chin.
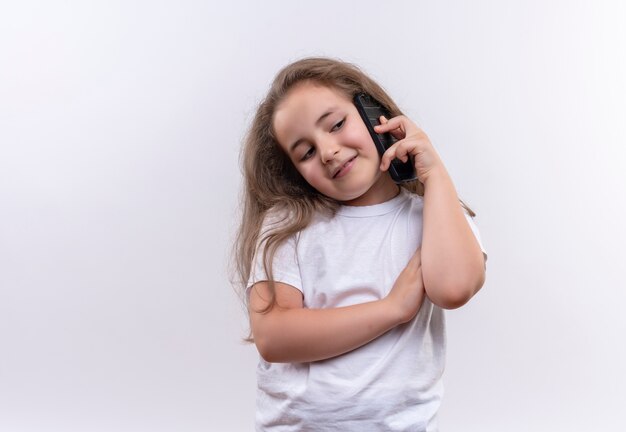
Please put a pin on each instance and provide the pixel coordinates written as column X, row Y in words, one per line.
column 355, row 197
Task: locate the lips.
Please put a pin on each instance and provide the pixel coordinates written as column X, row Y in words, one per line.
column 344, row 168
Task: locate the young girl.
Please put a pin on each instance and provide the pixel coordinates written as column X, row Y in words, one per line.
column 346, row 273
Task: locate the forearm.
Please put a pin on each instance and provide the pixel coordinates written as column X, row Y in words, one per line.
column 452, row 261
column 305, row 335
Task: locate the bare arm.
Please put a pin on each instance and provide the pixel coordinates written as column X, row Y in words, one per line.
column 453, row 263
column 291, row 333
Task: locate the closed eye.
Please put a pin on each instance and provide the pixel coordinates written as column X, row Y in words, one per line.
column 308, row 154
column 338, row 125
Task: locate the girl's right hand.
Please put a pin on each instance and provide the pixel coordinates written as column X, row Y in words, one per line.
column 407, row 294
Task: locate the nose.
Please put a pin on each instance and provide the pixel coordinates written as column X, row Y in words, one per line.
column 328, row 149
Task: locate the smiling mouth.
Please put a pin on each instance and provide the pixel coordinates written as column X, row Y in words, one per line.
column 343, row 167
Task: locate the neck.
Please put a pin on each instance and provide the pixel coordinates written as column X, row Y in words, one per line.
column 381, row 191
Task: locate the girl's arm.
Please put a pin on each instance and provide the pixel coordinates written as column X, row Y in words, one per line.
column 453, row 263
column 291, row 333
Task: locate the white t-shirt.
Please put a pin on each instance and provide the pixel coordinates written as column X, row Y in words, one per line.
column 390, row 384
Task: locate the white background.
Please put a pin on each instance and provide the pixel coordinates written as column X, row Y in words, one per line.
column 120, row 127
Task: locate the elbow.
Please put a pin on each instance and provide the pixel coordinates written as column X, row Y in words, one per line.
column 455, row 292
column 271, row 339
column 268, row 350
column 268, row 356
column 264, row 348
column 450, row 299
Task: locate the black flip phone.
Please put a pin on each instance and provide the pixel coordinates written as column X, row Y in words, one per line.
column 371, row 110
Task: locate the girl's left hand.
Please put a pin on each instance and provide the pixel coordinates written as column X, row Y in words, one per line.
column 412, row 141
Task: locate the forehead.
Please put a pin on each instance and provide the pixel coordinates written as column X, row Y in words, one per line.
column 301, row 108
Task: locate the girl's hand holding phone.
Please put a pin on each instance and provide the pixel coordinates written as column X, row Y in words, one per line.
column 413, row 142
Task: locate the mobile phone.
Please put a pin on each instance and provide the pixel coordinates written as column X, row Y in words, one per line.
column 371, row 110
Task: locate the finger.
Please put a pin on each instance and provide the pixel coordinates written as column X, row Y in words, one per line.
column 403, row 148
column 399, row 150
column 387, row 157
column 384, row 128
column 398, row 122
column 397, row 133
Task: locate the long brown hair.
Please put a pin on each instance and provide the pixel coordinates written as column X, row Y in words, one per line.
column 270, row 179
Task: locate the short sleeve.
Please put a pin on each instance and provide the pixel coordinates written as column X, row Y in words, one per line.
column 474, row 228
column 285, row 267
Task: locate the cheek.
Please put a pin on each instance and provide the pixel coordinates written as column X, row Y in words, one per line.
column 308, row 172
column 359, row 136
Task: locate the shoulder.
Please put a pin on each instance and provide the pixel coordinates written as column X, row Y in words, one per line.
column 290, row 223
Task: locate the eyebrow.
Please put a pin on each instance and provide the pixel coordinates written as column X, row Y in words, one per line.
column 319, row 120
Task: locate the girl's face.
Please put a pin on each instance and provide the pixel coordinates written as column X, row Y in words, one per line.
column 328, row 143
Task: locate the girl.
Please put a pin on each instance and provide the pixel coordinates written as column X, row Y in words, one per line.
column 346, row 274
